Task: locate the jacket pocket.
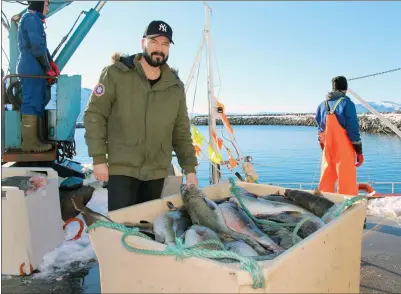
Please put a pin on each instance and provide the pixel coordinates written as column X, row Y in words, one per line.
column 123, row 154
column 165, row 156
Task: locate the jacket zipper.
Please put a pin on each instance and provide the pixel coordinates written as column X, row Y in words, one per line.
column 146, row 112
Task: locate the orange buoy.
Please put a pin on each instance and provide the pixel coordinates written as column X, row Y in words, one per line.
column 369, row 189
column 81, row 227
column 366, row 188
column 22, row 271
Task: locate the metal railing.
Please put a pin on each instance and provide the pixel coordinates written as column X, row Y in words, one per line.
column 309, row 185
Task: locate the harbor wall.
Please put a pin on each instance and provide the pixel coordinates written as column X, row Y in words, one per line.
column 369, row 123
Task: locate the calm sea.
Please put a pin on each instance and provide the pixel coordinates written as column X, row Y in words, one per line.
column 283, row 154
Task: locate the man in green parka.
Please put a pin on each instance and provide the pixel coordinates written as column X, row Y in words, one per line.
column 136, row 116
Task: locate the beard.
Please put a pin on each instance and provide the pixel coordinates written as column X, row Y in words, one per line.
column 155, row 59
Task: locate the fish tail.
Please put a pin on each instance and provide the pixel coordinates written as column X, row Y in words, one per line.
column 77, row 206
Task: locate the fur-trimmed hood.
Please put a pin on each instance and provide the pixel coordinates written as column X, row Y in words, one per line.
column 126, row 62
column 116, row 57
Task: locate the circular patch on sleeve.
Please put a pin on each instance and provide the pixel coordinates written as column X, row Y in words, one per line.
column 99, row 90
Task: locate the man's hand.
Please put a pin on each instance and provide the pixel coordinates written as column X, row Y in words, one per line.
column 192, row 180
column 101, row 172
column 359, row 159
column 55, row 68
column 51, row 73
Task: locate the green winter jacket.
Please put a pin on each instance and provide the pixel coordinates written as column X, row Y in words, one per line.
column 137, row 126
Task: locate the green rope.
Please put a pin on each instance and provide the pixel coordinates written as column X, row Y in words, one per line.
column 180, row 251
column 346, row 204
column 295, row 237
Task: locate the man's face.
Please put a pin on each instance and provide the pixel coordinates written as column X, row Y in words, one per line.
column 156, row 50
column 46, row 7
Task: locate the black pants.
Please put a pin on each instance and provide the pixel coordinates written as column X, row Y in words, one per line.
column 125, row 191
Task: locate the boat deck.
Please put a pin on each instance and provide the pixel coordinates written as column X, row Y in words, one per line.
column 380, row 266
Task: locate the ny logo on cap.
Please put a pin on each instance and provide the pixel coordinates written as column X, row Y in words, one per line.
column 162, row 27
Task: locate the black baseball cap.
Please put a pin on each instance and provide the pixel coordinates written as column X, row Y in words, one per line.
column 158, row 28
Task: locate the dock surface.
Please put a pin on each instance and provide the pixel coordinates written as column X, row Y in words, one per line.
column 381, row 256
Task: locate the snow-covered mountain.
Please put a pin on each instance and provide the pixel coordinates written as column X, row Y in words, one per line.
column 383, row 106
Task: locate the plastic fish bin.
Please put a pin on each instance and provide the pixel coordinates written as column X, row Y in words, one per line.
column 326, row 261
column 31, row 224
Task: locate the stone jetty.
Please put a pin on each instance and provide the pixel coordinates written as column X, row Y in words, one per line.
column 369, row 123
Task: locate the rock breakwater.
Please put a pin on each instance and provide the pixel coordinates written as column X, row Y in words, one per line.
column 369, row 123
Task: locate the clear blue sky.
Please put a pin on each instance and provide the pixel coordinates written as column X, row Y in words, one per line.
column 271, row 56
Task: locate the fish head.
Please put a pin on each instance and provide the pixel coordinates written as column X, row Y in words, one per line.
column 197, row 233
column 192, row 194
column 183, row 189
column 287, row 193
column 205, row 232
column 191, row 237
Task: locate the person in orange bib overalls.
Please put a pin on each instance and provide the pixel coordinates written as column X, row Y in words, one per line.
column 339, row 138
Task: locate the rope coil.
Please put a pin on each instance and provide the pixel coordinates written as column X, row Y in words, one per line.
column 181, row 252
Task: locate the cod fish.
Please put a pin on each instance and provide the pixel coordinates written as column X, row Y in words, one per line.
column 170, row 225
column 282, row 212
column 309, row 227
column 259, row 207
column 317, row 205
column 90, row 217
column 225, row 219
column 237, row 219
column 276, row 198
column 241, row 248
column 196, row 234
column 284, row 235
column 272, row 197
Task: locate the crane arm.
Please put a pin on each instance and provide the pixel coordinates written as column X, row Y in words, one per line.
column 79, row 35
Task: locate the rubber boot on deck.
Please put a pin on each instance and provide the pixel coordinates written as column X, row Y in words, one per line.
column 30, row 138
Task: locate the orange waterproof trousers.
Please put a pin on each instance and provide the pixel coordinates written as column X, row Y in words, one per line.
column 338, row 159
